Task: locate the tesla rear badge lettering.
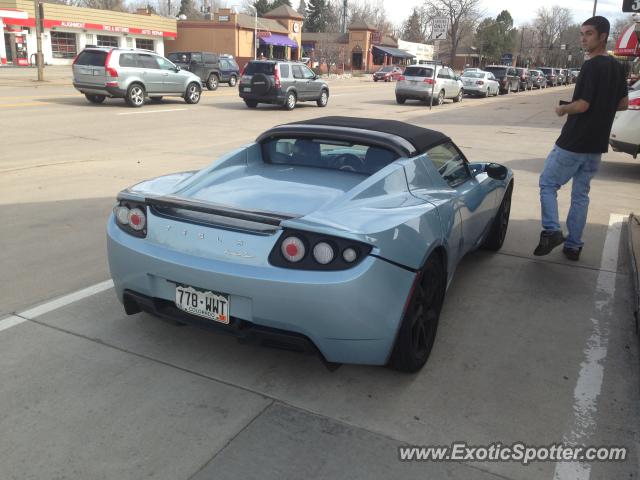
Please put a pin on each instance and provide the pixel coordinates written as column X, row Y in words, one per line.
column 201, row 236
column 168, row 227
column 238, row 254
column 184, row 232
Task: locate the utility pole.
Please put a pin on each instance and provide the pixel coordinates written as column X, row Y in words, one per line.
column 39, row 60
column 595, row 4
column 344, row 16
column 255, row 32
column 521, row 43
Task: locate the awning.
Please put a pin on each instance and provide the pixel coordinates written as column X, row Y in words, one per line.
column 627, row 45
column 394, row 52
column 278, row 40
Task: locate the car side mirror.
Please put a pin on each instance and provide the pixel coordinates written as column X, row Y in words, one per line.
column 177, row 69
column 496, row 171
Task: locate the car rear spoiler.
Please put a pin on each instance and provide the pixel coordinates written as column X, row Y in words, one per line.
column 194, row 211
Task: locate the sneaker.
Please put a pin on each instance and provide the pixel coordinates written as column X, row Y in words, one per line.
column 549, row 239
column 572, row 253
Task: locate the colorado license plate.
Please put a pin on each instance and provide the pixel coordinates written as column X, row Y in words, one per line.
column 246, row 89
column 211, row 305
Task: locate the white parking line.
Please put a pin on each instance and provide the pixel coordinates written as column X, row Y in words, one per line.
column 589, row 384
column 35, row 312
column 153, row 111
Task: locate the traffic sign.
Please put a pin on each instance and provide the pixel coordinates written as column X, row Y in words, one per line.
column 439, row 27
column 631, row 6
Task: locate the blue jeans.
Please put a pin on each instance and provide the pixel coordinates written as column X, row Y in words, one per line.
column 560, row 167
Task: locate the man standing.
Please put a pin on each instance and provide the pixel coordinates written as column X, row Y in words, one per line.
column 600, row 91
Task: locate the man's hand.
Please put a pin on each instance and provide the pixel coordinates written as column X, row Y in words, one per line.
column 560, row 110
column 574, row 108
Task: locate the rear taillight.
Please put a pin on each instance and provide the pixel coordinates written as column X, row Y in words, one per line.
column 480, row 82
column 276, row 76
column 314, row 251
column 131, row 217
column 428, row 80
column 401, row 77
column 112, row 72
column 634, row 104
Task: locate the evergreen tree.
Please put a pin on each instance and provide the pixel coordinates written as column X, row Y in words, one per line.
column 302, row 9
column 277, row 3
column 412, row 28
column 188, row 9
column 318, row 13
column 262, row 6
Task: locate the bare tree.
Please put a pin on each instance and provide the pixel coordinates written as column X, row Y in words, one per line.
column 373, row 13
column 551, row 24
column 463, row 16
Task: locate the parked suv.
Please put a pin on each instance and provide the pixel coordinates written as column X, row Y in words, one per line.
column 134, row 75
column 205, row 65
column 539, row 79
column 526, row 82
column 553, row 79
column 417, row 82
column 507, row 77
column 281, row 83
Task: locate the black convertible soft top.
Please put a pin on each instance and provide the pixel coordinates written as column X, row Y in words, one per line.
column 404, row 138
column 421, row 138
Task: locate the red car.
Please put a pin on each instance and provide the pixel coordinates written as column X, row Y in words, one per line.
column 388, row 73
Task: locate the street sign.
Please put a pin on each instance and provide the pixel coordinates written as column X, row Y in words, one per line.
column 507, row 59
column 631, row 6
column 439, row 27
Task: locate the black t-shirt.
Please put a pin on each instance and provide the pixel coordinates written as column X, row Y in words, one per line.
column 601, row 83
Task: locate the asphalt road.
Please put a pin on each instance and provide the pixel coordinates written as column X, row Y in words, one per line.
column 537, row 350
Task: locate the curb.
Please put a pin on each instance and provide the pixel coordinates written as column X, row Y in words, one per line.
column 634, row 249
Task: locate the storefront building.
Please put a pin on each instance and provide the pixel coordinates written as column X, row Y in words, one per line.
column 67, row 30
column 278, row 35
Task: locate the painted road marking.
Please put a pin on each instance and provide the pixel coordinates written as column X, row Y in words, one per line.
column 589, row 384
column 47, row 307
column 153, row 111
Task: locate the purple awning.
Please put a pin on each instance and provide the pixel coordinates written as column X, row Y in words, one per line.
column 278, row 40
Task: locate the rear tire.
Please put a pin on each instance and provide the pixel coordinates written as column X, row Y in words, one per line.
column 323, row 100
column 251, row 103
column 290, row 101
column 95, row 98
column 135, row 95
column 400, row 100
column 498, row 230
column 459, row 97
column 233, row 81
column 420, row 322
column 440, row 99
column 212, row 82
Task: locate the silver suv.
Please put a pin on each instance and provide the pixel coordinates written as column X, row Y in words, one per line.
column 131, row 74
column 281, row 83
column 417, row 82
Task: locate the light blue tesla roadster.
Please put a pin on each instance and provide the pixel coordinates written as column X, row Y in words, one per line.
column 337, row 236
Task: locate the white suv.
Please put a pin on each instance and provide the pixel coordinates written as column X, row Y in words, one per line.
column 418, row 82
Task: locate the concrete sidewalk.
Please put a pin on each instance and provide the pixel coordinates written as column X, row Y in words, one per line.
column 11, row 76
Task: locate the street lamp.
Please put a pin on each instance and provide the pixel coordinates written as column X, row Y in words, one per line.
column 255, row 32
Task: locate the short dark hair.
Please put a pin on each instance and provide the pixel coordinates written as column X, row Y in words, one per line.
column 601, row 24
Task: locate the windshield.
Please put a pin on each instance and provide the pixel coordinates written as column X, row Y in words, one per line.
column 260, row 67
column 386, row 69
column 179, row 57
column 418, row 72
column 546, row 70
column 473, row 75
column 498, row 72
column 326, row 153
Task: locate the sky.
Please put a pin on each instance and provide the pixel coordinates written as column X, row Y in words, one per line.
column 522, row 11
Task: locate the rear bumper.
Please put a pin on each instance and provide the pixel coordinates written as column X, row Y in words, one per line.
column 350, row 316
column 630, row 148
column 415, row 94
column 272, row 97
column 99, row 90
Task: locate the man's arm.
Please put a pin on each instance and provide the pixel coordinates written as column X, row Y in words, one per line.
column 574, row 108
column 623, row 104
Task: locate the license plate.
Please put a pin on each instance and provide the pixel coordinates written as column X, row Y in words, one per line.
column 211, row 305
column 246, row 89
column 85, row 71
